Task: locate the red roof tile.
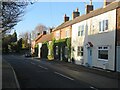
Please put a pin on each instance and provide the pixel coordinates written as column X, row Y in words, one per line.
column 44, row 38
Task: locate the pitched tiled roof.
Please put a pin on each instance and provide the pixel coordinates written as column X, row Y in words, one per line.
column 44, row 38
column 38, row 37
column 96, row 12
column 93, row 13
column 67, row 23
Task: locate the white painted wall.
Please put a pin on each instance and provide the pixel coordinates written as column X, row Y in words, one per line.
column 98, row 39
column 77, row 41
column 39, row 49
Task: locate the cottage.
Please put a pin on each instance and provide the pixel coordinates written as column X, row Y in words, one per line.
column 42, row 41
column 95, row 37
column 62, row 36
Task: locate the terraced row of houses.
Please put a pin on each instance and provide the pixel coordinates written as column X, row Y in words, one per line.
column 92, row 39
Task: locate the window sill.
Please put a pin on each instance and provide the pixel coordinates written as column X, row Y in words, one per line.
column 103, row 60
column 100, row 32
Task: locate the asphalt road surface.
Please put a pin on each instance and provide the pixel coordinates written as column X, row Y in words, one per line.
column 33, row 73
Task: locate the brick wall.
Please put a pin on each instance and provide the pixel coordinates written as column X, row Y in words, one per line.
column 64, row 30
column 62, row 33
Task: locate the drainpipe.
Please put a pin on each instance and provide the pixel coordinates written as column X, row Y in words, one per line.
column 115, row 66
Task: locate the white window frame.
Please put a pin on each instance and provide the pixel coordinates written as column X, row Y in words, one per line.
column 102, row 26
column 57, row 50
column 103, row 48
column 80, row 51
column 58, row 34
column 66, row 51
column 81, row 29
column 67, row 33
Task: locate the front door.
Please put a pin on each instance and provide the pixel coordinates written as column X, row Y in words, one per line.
column 89, row 56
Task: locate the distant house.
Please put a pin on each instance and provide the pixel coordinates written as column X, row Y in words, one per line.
column 42, row 41
column 96, row 37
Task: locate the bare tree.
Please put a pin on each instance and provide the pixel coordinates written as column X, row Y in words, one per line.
column 11, row 13
column 38, row 30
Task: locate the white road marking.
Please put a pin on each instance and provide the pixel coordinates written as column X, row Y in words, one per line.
column 93, row 88
column 42, row 67
column 63, row 75
column 32, row 63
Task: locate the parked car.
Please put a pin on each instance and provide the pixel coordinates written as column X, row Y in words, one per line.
column 28, row 55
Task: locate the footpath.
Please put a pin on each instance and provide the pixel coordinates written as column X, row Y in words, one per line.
column 9, row 79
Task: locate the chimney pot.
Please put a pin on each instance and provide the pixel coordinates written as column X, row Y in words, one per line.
column 90, row 2
column 77, row 9
column 65, row 15
column 66, row 18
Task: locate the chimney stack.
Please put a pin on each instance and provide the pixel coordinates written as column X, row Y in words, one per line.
column 50, row 30
column 106, row 2
column 44, row 32
column 89, row 7
column 66, row 18
column 75, row 13
column 38, row 33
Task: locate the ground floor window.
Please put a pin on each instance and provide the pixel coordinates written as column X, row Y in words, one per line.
column 80, row 51
column 103, row 52
column 56, row 50
column 66, row 52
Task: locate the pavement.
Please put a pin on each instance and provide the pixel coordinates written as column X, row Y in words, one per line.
column 9, row 79
column 72, row 66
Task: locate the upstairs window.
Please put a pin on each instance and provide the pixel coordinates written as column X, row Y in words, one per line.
column 57, row 34
column 81, row 30
column 67, row 33
column 100, row 26
column 103, row 25
column 106, row 25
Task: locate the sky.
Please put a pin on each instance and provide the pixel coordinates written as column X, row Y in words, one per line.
column 49, row 14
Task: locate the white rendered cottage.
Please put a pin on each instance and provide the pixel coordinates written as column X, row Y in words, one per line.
column 93, row 38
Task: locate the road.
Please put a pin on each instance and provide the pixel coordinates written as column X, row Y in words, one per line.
column 33, row 73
